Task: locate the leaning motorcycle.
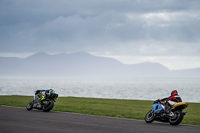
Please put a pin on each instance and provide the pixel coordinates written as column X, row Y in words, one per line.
column 174, row 117
column 46, row 104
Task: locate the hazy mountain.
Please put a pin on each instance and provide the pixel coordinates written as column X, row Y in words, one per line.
column 84, row 65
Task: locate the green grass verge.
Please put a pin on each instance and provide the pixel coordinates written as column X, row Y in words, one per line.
column 133, row 109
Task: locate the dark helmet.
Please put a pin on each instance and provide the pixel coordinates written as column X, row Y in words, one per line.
column 174, row 92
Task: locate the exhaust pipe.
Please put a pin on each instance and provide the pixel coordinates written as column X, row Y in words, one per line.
column 185, row 112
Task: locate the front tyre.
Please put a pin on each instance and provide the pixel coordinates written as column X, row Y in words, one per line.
column 149, row 118
column 48, row 106
column 30, row 105
column 176, row 118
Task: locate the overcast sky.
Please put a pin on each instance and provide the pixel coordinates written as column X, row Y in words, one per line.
column 132, row 31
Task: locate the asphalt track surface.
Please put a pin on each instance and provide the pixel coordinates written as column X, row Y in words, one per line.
column 19, row 120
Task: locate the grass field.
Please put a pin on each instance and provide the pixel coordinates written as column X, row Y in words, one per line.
column 133, row 109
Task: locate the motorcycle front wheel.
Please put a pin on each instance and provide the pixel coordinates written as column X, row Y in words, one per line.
column 149, row 118
column 30, row 105
column 176, row 118
column 48, row 106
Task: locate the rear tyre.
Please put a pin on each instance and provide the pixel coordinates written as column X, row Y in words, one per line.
column 149, row 118
column 30, row 105
column 47, row 107
column 177, row 118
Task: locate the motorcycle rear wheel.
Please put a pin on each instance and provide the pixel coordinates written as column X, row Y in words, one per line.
column 177, row 118
column 49, row 106
column 149, row 118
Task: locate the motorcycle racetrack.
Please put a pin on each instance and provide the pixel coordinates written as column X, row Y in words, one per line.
column 19, row 120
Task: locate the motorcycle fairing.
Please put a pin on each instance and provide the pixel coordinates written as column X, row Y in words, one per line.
column 157, row 107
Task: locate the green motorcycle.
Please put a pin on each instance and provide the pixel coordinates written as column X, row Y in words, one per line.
column 46, row 104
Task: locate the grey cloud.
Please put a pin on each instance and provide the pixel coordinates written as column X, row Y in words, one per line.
column 123, row 27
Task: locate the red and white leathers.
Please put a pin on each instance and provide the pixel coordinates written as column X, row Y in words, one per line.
column 173, row 99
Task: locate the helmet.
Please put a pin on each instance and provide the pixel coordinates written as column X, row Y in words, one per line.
column 174, row 92
column 51, row 91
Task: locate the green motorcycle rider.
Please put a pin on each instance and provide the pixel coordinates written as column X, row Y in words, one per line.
column 40, row 95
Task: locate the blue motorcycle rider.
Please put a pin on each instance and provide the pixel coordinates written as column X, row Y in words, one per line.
column 171, row 100
column 41, row 95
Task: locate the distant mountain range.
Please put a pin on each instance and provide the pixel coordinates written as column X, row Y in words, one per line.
column 82, row 64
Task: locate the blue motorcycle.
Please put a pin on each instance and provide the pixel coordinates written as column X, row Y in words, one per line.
column 158, row 112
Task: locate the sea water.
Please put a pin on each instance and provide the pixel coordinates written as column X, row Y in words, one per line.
column 132, row 88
